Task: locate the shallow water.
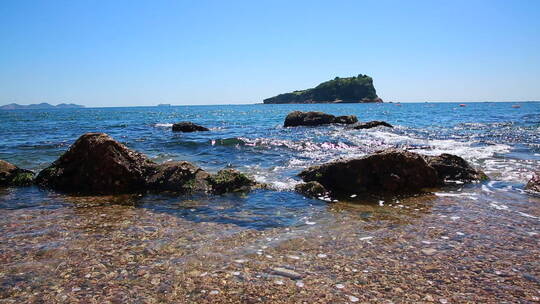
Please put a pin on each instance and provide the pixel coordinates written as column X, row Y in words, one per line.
column 51, row 242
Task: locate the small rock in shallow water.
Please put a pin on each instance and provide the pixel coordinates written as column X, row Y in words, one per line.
column 284, row 272
column 429, row 251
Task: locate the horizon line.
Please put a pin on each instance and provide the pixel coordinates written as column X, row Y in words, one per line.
column 260, row 103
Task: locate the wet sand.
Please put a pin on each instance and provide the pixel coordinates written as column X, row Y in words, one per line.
column 418, row 250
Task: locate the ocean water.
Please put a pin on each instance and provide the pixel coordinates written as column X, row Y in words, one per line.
column 502, row 140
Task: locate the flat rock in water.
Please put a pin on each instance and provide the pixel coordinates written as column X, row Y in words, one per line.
column 187, row 126
column 298, row 118
column 371, row 124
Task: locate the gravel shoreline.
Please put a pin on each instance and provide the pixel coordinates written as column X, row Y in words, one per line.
column 419, row 250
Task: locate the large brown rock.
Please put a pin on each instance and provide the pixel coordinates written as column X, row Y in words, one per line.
column 96, row 163
column 385, row 172
column 11, row 175
column 534, row 183
column 298, row 118
column 390, row 172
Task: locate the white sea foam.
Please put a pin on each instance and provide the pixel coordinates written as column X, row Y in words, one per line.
column 528, row 215
column 163, row 125
column 464, row 195
column 498, row 206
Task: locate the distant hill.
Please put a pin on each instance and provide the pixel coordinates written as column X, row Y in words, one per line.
column 357, row 89
column 40, row 106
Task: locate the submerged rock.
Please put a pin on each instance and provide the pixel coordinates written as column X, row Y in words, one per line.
column 454, row 168
column 371, row 124
column 298, row 118
column 311, row 189
column 230, row 180
column 534, row 183
column 390, row 172
column 288, row 273
column 96, row 163
column 11, row 175
column 187, row 126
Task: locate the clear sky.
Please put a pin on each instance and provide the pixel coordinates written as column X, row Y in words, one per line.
column 122, row 53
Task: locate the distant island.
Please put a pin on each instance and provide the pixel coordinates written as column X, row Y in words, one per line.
column 40, row 106
column 339, row 90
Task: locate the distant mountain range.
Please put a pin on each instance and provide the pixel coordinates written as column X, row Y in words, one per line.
column 40, row 106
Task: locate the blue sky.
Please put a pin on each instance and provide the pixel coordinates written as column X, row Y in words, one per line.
column 122, row 53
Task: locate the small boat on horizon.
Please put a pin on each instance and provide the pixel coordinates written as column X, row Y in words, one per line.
column 462, row 105
column 516, row 106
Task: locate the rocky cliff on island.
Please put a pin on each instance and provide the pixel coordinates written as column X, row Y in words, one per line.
column 357, row 89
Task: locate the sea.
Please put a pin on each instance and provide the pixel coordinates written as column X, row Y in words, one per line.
column 501, row 138
column 464, row 243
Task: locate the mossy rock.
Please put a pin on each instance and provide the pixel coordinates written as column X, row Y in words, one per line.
column 22, row 178
column 311, row 189
column 11, row 175
column 230, row 180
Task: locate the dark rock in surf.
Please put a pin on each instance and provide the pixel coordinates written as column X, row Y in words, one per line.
column 390, row 172
column 534, row 183
column 298, row 118
column 311, row 189
column 187, row 126
column 98, row 164
column 371, row 124
column 454, row 168
column 11, row 175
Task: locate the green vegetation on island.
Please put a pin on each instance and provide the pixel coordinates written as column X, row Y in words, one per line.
column 339, row 90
